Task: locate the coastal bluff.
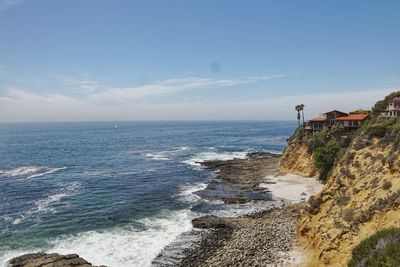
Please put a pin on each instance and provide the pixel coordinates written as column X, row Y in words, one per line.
column 298, row 160
column 49, row 260
column 361, row 195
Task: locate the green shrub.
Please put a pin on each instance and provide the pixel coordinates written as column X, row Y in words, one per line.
column 380, row 249
column 342, row 200
column 377, row 130
column 325, row 157
column 386, row 185
column 381, row 105
column 360, row 111
column 382, row 127
column 347, row 215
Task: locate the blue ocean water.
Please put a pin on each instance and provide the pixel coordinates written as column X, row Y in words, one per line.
column 115, row 194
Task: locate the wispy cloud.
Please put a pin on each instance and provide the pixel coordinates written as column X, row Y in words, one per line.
column 126, row 94
column 19, row 105
column 102, row 102
column 5, row 4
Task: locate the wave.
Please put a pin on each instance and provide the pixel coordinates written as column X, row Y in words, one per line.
column 51, row 170
column 156, row 156
column 166, row 154
column 212, row 155
column 121, row 246
column 29, row 171
column 126, row 246
column 46, row 205
column 187, row 192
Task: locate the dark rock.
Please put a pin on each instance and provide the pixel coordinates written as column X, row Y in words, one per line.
column 211, row 221
column 49, row 260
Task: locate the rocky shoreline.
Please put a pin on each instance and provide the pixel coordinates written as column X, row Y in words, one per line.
column 260, row 239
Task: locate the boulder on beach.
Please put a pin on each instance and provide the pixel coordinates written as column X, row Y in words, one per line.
column 49, row 260
column 211, row 221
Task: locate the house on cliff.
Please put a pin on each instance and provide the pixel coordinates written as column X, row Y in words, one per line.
column 335, row 117
column 393, row 108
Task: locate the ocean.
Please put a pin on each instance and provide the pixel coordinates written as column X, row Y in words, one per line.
column 115, row 193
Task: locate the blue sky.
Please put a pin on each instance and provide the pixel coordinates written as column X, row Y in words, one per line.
column 171, row 60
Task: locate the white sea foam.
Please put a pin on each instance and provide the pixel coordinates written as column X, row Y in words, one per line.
column 165, row 154
column 126, row 246
column 29, row 171
column 20, row 171
column 212, row 155
column 156, row 156
column 50, row 170
column 46, row 205
column 187, row 193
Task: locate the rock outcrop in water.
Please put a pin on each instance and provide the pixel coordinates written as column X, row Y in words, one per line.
column 49, row 260
column 238, row 180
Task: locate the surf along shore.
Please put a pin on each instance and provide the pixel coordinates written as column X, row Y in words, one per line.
column 262, row 238
column 266, row 237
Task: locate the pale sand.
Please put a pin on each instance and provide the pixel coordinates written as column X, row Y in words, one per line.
column 294, row 189
column 291, row 187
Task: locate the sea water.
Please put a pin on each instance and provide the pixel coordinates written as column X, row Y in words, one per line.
column 115, row 195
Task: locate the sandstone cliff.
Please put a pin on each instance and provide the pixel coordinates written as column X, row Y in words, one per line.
column 298, row 160
column 361, row 196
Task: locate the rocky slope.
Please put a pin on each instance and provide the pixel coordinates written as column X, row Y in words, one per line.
column 360, row 197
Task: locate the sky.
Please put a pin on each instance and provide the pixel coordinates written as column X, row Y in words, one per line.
column 98, row 60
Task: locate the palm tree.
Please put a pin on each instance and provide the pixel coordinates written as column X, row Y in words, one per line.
column 302, row 112
column 298, row 109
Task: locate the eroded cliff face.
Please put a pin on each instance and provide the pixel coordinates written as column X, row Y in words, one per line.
column 298, row 160
column 361, row 196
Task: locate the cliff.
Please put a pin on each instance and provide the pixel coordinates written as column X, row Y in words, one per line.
column 361, row 195
column 297, row 159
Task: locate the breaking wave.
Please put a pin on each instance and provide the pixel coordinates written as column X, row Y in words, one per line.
column 46, row 205
column 126, row 246
column 187, row 193
column 29, row 171
column 165, row 154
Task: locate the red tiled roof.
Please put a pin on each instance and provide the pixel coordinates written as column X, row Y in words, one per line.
column 396, row 99
column 318, row 119
column 354, row 117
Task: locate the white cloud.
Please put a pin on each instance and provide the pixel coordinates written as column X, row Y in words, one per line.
column 128, row 94
column 19, row 105
column 4, row 4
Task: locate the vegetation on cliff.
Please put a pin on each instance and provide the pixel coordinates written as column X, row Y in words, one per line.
column 381, row 105
column 324, row 146
column 380, row 249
